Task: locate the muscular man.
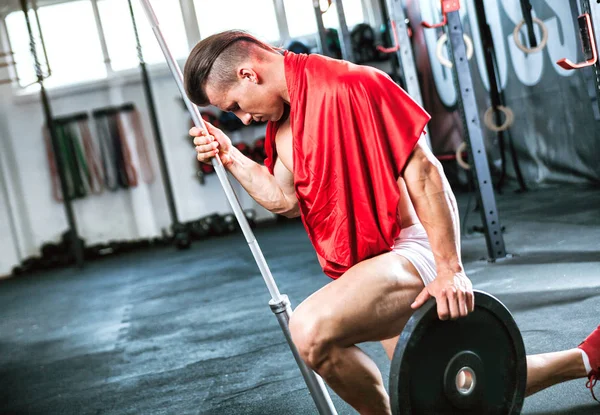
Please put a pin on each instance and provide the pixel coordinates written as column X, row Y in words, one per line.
column 345, row 154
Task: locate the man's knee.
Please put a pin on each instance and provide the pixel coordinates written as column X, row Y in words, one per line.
column 312, row 337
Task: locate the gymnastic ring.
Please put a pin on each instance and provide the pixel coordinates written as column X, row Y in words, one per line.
column 508, row 121
column 440, row 43
column 540, row 45
column 461, row 162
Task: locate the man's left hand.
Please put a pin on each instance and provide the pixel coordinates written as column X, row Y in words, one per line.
column 453, row 294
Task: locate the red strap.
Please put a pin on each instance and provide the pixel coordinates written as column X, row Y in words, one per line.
column 590, row 385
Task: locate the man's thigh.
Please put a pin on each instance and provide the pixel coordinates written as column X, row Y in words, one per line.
column 370, row 302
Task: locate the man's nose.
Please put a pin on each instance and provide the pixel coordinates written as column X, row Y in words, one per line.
column 245, row 117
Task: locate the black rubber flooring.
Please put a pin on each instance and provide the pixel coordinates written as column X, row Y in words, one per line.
column 172, row 332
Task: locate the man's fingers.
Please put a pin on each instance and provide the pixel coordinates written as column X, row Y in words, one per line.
column 453, row 303
column 205, row 156
column 442, row 305
column 463, row 307
column 218, row 135
column 198, row 141
column 196, row 132
column 470, row 299
column 207, row 148
column 421, row 299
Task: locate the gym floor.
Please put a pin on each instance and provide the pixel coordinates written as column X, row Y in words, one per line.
column 166, row 331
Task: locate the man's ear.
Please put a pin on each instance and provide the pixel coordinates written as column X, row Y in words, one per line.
column 248, row 74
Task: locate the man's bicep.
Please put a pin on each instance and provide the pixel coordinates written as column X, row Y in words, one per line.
column 424, row 175
column 285, row 180
column 419, row 163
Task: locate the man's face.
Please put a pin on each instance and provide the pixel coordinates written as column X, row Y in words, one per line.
column 248, row 101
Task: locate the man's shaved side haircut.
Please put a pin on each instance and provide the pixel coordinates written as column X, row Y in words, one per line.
column 214, row 60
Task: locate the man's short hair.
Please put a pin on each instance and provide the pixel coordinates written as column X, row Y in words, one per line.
column 215, row 58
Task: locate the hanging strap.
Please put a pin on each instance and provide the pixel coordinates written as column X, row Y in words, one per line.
column 66, row 160
column 76, row 161
column 128, row 166
column 528, row 20
column 113, row 128
column 141, row 146
column 54, row 178
column 96, row 185
column 107, row 152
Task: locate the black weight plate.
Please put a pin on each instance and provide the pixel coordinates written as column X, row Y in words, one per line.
column 430, row 353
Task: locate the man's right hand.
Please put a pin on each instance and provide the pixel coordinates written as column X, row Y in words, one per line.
column 210, row 143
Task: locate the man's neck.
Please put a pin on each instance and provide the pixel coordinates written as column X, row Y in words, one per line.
column 277, row 73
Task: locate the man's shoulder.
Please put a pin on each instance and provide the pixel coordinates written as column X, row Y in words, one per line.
column 362, row 73
column 283, row 127
column 332, row 74
column 361, row 79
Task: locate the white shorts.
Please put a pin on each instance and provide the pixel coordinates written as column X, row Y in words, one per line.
column 412, row 244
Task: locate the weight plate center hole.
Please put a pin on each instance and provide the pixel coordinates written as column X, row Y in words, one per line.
column 465, row 381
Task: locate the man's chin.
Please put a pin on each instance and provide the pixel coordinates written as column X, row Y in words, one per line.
column 282, row 116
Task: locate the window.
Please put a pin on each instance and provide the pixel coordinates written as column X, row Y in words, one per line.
column 302, row 21
column 300, row 17
column 19, row 38
column 353, row 12
column 74, row 48
column 71, row 39
column 120, row 38
column 257, row 17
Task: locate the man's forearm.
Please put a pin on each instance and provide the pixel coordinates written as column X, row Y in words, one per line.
column 437, row 210
column 261, row 185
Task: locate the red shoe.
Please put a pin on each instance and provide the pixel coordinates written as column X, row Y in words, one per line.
column 591, row 346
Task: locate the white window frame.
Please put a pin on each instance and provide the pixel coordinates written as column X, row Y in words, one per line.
column 159, row 70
